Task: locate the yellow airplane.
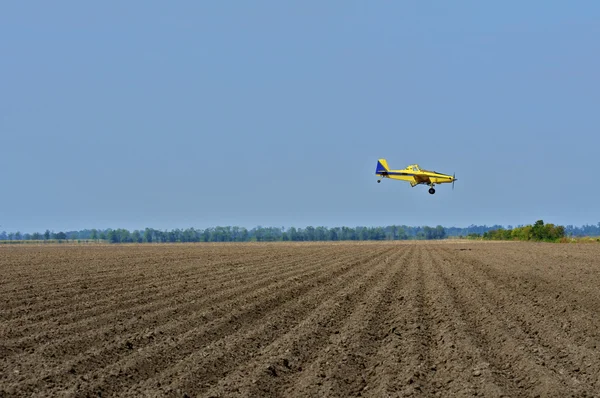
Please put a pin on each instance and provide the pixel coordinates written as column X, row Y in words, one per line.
column 414, row 175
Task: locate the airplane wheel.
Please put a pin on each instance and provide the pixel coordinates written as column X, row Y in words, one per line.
column 378, row 181
column 431, row 191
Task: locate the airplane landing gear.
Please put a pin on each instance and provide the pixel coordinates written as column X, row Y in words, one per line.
column 378, row 181
column 431, row 190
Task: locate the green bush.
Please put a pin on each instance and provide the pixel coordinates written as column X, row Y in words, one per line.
column 538, row 232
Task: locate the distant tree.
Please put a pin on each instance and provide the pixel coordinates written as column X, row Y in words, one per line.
column 244, row 235
column 522, row 233
column 553, row 233
column 428, row 232
column 60, row 236
column 353, row 233
column 136, row 236
column 94, row 235
column 293, row 234
column 363, row 233
column 123, row 235
column 112, row 236
column 440, row 232
column 309, row 233
column 320, row 233
column 390, row 232
column 538, row 231
column 377, row 233
column 401, row 234
column 47, row 234
column 333, row 234
column 560, row 232
column 206, row 235
column 187, row 235
column 148, row 235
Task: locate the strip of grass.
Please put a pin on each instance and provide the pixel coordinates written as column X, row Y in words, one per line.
column 581, row 239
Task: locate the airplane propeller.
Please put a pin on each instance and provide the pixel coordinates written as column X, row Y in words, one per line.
column 453, row 179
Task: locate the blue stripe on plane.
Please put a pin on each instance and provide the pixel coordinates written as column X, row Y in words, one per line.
column 401, row 174
column 380, row 169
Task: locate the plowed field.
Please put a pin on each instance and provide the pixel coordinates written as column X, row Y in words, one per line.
column 336, row 319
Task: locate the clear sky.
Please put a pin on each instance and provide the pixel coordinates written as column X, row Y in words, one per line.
column 133, row 114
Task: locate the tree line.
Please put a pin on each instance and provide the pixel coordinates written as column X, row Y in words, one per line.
column 240, row 234
column 270, row 234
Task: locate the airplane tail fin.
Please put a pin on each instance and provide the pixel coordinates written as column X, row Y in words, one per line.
column 382, row 166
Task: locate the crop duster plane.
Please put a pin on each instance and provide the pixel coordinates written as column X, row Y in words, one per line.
column 414, row 175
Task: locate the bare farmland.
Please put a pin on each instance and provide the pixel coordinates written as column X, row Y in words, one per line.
column 343, row 319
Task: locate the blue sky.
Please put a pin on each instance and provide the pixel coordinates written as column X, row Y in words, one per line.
column 178, row 114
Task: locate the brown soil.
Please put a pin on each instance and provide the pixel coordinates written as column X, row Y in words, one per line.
column 313, row 319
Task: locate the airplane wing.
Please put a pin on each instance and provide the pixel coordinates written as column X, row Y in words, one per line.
column 414, row 178
column 422, row 178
